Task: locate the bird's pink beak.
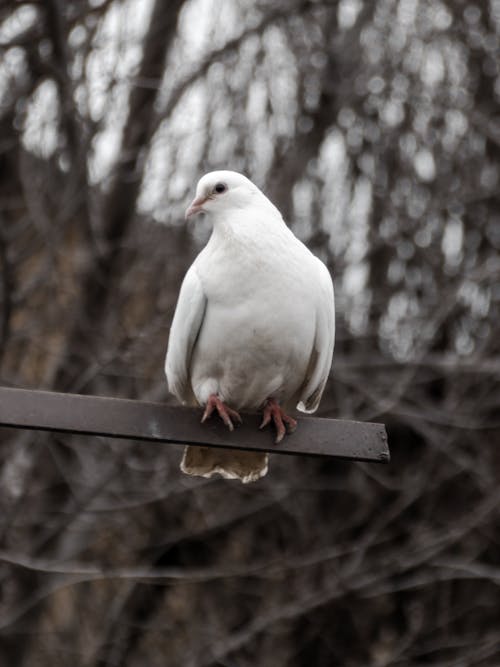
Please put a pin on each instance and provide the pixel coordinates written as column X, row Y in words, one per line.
column 195, row 207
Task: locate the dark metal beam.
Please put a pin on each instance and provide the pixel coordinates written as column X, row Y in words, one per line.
column 155, row 422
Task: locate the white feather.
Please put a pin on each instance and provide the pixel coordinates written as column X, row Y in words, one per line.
column 186, row 325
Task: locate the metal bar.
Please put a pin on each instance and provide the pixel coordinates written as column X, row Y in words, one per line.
column 155, row 422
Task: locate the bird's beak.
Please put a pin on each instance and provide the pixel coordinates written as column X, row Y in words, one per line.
column 195, row 207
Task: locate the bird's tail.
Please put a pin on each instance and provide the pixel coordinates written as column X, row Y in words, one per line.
column 230, row 463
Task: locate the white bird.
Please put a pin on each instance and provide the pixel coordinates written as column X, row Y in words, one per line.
column 254, row 325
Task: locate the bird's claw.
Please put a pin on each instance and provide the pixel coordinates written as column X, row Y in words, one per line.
column 282, row 421
column 227, row 414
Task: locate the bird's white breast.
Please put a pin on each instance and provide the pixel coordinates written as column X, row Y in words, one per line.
column 259, row 325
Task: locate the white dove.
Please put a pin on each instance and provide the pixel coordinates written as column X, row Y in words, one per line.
column 254, row 325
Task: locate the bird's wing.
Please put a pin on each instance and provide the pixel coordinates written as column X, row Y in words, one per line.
column 186, row 325
column 322, row 352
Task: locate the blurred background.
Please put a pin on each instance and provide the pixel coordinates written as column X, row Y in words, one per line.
column 375, row 128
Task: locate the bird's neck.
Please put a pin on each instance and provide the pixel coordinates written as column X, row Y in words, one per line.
column 250, row 225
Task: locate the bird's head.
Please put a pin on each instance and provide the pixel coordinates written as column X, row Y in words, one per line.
column 221, row 191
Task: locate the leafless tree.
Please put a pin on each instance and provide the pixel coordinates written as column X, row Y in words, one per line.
column 374, row 126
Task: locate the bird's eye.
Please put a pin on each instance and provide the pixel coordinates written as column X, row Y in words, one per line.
column 220, row 188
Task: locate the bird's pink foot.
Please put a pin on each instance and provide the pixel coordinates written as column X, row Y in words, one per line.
column 227, row 414
column 281, row 420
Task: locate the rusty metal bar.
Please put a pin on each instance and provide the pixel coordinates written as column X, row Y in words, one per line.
column 155, row 422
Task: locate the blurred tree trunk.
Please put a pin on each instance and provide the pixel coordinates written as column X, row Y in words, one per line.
column 118, row 206
column 100, row 276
